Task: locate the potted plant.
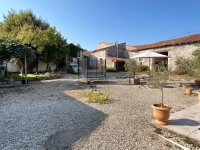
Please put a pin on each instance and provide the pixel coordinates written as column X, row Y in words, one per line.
column 188, row 88
column 157, row 80
column 131, row 67
column 198, row 92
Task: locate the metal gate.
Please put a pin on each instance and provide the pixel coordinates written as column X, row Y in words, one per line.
column 92, row 68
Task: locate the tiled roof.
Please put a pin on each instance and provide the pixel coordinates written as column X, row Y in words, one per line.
column 178, row 41
column 87, row 54
column 117, row 59
column 104, row 45
column 130, row 48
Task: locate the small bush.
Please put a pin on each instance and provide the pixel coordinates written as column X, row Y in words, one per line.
column 97, row 97
column 48, row 75
column 142, row 68
column 111, row 70
column 180, row 71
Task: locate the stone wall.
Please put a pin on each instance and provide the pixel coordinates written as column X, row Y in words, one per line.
column 110, row 63
column 173, row 52
column 112, row 51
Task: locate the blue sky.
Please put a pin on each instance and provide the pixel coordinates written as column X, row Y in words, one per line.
column 135, row 22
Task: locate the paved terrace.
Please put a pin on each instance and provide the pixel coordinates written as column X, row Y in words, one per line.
column 53, row 114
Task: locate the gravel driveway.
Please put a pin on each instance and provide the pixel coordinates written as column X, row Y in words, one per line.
column 50, row 114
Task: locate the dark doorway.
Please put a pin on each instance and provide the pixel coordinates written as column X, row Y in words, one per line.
column 120, row 66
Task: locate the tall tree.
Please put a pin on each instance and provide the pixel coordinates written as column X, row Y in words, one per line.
column 51, row 46
column 12, row 49
column 34, row 32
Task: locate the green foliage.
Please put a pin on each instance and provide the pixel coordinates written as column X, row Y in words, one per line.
column 142, row 68
column 30, row 77
column 180, row 71
column 184, row 65
column 49, row 75
column 131, row 66
column 97, row 97
column 158, row 79
column 194, row 144
column 111, row 70
column 13, row 49
column 73, row 49
column 196, row 53
column 33, row 32
column 22, row 26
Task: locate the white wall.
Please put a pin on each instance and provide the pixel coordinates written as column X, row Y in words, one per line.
column 42, row 66
column 11, row 67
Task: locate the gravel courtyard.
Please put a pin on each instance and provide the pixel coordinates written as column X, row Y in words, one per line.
column 45, row 114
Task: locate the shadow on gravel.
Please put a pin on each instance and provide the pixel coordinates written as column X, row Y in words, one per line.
column 183, row 122
column 169, row 86
column 83, row 121
column 105, row 82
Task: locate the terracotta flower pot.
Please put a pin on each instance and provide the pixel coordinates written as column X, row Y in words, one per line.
column 198, row 92
column 197, row 82
column 188, row 91
column 161, row 114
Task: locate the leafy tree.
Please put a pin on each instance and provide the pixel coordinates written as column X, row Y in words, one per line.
column 158, row 79
column 13, row 50
column 131, row 66
column 51, row 46
column 73, row 49
column 33, row 32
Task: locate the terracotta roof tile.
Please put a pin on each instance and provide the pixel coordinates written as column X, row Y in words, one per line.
column 130, row 48
column 118, row 59
column 87, row 54
column 178, row 41
column 104, row 45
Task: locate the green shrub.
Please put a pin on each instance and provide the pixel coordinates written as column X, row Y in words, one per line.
column 131, row 66
column 180, row 71
column 97, row 97
column 191, row 73
column 142, row 68
column 184, row 65
column 49, row 75
column 111, row 70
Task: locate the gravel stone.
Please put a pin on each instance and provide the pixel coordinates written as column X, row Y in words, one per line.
column 30, row 116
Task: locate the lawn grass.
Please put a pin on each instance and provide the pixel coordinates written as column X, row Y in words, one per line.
column 19, row 77
column 30, row 77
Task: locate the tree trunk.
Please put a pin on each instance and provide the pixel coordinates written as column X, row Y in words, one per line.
column 133, row 74
column 162, row 97
column 48, row 68
column 37, row 67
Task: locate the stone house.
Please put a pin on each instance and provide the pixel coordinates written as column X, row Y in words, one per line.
column 87, row 56
column 116, row 54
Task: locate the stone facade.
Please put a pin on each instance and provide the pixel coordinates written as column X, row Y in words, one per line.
column 103, row 51
column 174, row 48
column 173, row 52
